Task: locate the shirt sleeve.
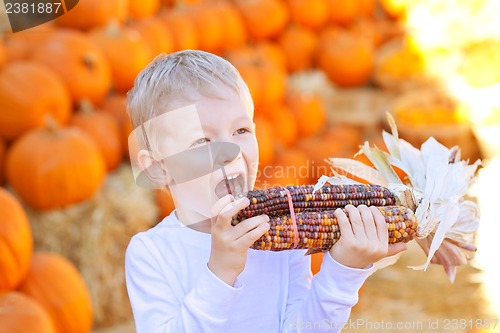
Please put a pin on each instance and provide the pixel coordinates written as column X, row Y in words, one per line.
column 324, row 303
column 157, row 308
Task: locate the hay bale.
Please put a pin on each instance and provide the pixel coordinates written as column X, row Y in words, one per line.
column 94, row 236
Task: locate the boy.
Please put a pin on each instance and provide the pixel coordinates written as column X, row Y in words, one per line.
column 194, row 271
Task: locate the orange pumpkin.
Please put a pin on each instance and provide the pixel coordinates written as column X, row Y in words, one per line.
column 94, row 13
column 116, row 106
column 164, row 201
column 16, row 242
column 51, row 168
column 264, row 19
column 235, row 33
column 3, row 149
column 367, row 7
column 127, row 53
column 337, row 141
column 311, row 14
column 55, row 283
column 262, row 67
column 28, row 93
column 265, row 138
column 292, row 167
column 19, row 45
column 21, row 314
column 209, row 25
column 344, row 11
column 104, row 130
column 299, row 45
column 287, row 131
column 140, row 9
column 259, row 67
column 268, row 51
column 346, row 57
column 310, row 112
column 78, row 62
column 152, row 30
column 3, row 55
column 183, row 28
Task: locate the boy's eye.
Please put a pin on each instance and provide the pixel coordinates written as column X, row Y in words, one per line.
column 242, row 131
column 200, row 142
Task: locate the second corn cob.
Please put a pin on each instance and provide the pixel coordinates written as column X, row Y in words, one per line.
column 319, row 231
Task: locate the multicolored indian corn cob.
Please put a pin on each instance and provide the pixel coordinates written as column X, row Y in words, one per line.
column 316, row 224
column 274, row 201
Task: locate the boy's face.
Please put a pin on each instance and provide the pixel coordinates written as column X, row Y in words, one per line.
column 208, row 150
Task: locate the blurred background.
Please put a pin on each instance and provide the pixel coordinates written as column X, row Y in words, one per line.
column 322, row 73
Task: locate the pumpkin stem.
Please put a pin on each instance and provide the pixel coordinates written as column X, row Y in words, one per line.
column 85, row 107
column 89, row 61
column 51, row 124
column 113, row 29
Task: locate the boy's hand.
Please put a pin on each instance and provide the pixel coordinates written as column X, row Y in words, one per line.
column 364, row 237
column 230, row 243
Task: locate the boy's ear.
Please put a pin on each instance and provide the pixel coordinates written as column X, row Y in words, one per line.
column 152, row 168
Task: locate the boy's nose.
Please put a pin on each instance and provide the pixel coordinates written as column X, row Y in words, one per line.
column 223, row 153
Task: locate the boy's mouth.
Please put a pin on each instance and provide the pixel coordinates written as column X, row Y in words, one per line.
column 234, row 184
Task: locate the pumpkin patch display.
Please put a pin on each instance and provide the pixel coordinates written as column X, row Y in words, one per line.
column 346, row 58
column 265, row 137
column 299, row 45
column 94, row 13
column 59, row 288
column 235, row 33
column 104, row 130
column 276, row 16
column 28, row 93
column 310, row 112
column 210, row 27
column 3, row 149
column 78, row 62
column 183, row 28
column 155, row 34
column 21, row 314
column 140, row 9
column 16, row 242
column 311, row 14
column 115, row 42
column 54, row 167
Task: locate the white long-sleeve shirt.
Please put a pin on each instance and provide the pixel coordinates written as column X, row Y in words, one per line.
column 172, row 290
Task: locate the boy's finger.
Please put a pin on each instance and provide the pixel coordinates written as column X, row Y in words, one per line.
column 220, row 204
column 368, row 221
column 251, row 236
column 344, row 225
column 381, row 225
column 245, row 226
column 225, row 216
column 356, row 222
column 396, row 248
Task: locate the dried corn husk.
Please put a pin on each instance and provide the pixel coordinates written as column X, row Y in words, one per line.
column 437, row 184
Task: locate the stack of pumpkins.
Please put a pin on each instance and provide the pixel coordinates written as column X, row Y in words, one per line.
column 39, row 291
column 63, row 84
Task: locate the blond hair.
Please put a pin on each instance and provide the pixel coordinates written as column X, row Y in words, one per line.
column 184, row 75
